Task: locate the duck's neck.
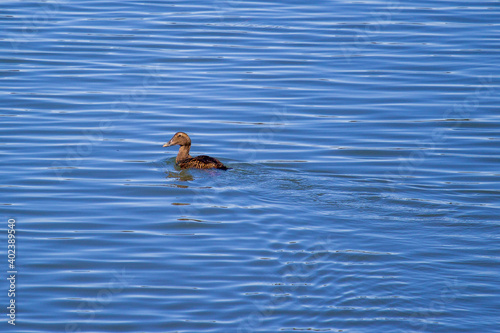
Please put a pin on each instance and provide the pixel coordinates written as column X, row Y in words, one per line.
column 183, row 153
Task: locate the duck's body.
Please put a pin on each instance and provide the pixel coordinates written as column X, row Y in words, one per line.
column 186, row 161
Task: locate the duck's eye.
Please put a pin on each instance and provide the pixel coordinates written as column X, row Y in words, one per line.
column 179, row 135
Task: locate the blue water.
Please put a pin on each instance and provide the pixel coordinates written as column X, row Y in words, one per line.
column 363, row 138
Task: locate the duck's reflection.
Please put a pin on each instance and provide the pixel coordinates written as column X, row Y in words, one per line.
column 182, row 175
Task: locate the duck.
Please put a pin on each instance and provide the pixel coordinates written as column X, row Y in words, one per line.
column 186, row 161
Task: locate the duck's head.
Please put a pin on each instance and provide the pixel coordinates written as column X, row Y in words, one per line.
column 179, row 138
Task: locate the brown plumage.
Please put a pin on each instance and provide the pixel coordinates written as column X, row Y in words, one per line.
column 185, row 161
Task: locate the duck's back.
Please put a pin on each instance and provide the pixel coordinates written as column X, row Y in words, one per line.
column 202, row 162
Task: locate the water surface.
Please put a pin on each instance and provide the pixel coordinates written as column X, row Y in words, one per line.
column 362, row 137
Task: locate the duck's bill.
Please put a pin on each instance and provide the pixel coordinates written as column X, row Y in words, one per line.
column 168, row 144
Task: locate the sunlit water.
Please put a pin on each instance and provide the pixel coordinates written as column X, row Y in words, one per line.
column 363, row 141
